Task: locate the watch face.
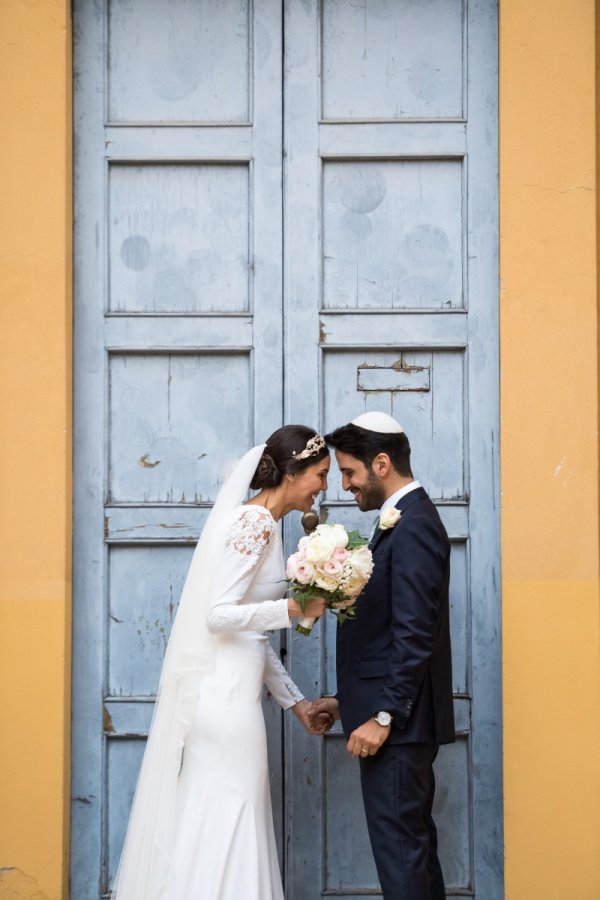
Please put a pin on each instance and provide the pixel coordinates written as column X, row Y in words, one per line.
column 384, row 718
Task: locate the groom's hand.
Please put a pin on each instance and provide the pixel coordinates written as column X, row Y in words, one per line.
column 367, row 739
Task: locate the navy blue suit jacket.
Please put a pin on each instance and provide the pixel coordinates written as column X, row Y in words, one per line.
column 395, row 655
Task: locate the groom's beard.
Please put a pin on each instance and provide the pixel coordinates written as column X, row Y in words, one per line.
column 371, row 495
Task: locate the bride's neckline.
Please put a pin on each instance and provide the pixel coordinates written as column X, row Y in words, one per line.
column 260, row 506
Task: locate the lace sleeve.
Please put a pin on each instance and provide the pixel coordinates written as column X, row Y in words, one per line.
column 251, row 532
column 279, row 683
column 246, row 546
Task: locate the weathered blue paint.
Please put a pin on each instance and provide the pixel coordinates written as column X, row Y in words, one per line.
column 380, row 181
column 178, row 333
column 390, row 192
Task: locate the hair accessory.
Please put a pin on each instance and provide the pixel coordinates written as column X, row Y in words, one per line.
column 314, row 446
column 378, row 421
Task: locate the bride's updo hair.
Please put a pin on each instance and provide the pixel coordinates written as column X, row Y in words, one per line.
column 278, row 456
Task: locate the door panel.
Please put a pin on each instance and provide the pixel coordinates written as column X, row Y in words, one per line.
column 166, row 427
column 179, row 238
column 423, row 388
column 392, row 234
column 186, row 62
column 390, row 61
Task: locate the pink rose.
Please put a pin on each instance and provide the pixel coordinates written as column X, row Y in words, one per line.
column 299, row 569
column 292, row 567
column 333, row 567
column 305, row 572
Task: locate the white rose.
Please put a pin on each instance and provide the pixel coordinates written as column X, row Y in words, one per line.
column 388, row 518
column 344, row 604
column 361, row 561
column 337, row 534
column 325, row 582
column 319, row 549
column 353, row 583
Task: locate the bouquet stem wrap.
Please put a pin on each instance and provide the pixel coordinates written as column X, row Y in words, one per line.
column 305, row 625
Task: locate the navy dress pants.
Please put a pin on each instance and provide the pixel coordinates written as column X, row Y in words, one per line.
column 398, row 787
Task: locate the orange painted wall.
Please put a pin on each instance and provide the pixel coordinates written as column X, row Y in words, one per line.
column 35, row 456
column 549, row 460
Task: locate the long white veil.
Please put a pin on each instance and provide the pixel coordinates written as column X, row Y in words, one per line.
column 145, row 866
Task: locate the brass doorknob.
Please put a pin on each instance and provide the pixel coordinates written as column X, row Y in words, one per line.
column 310, row 520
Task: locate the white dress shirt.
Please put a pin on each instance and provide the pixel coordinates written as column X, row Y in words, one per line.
column 391, row 501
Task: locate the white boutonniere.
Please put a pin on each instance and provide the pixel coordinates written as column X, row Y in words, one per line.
column 388, row 518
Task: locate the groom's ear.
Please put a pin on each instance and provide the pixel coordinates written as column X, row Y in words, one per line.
column 381, row 465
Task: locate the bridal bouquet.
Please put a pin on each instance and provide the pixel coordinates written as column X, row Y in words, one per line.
column 331, row 563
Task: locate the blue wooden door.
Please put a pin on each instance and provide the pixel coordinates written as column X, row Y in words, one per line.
column 178, row 333
column 284, row 212
column 391, row 296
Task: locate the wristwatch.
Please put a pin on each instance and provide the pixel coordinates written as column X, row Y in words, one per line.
column 383, row 718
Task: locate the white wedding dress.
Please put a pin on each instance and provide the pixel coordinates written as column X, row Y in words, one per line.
column 224, row 841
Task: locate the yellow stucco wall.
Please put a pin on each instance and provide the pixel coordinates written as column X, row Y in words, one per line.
column 35, row 335
column 549, row 463
column 549, row 458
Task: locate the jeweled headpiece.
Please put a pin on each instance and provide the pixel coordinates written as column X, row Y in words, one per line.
column 314, row 446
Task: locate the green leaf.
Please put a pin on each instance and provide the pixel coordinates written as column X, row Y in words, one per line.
column 343, row 614
column 355, row 539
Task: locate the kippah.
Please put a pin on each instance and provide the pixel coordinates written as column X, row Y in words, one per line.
column 378, row 421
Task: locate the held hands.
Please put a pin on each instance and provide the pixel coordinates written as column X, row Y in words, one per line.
column 315, row 721
column 313, row 608
column 364, row 741
column 328, row 705
column 318, row 716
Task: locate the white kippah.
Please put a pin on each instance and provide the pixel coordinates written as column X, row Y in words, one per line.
column 378, row 421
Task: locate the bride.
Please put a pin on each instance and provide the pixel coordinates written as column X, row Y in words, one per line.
column 201, row 826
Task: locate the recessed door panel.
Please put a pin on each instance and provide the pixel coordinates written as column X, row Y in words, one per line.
column 179, row 62
column 392, row 234
column 391, row 61
column 179, row 238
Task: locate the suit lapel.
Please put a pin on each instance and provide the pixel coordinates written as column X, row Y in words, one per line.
column 376, row 538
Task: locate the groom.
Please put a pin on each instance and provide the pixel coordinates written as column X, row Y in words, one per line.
column 394, row 674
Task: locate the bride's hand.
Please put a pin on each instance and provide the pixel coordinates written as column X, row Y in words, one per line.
column 313, row 608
